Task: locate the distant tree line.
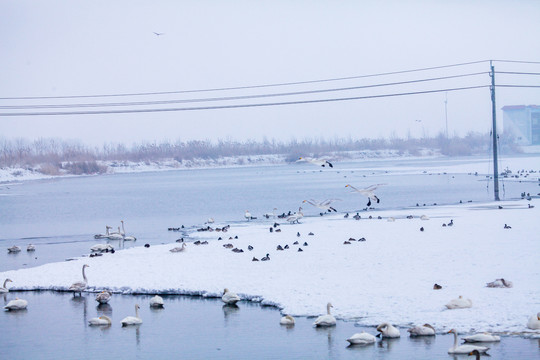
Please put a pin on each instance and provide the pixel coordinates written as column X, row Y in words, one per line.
column 54, row 155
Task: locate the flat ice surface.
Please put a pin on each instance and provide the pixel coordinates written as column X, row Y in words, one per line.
column 388, row 277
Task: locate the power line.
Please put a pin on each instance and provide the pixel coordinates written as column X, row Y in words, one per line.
column 517, row 86
column 229, row 98
column 129, row 111
column 246, row 87
column 516, row 73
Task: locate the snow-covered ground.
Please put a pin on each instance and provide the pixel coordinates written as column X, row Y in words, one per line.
column 388, row 277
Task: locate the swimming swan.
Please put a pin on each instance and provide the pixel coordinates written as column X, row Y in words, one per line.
column 459, row 303
column 132, row 320
column 326, row 320
column 156, row 301
column 103, row 236
column 4, row 288
column 388, row 331
column 369, row 192
column 101, row 248
column 79, row 286
column 14, row 249
column 483, row 337
column 464, row 349
column 362, row 338
column 422, row 330
column 17, row 304
column 102, row 320
column 229, row 297
column 103, row 297
column 123, row 233
column 287, row 320
column 534, row 322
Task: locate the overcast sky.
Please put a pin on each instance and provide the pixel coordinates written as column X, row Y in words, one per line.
column 72, row 48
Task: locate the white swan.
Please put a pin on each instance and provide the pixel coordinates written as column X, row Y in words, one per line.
column 362, row 338
column 287, row 320
column 315, row 161
column 103, row 297
column 369, row 192
column 156, row 301
column 248, row 216
column 17, row 304
column 103, row 236
column 123, row 233
column 14, row 249
column 422, row 330
column 388, row 331
column 229, row 297
column 323, row 205
column 132, row 320
column 326, row 320
column 102, row 320
column 116, row 236
column 464, row 349
column 500, row 283
column 483, row 337
column 101, row 248
column 459, row 303
column 31, row 247
column 179, row 249
column 79, row 286
column 534, row 322
column 4, row 288
column 424, row 217
column 294, row 218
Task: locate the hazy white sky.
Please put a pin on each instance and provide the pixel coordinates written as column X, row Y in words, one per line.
column 65, row 48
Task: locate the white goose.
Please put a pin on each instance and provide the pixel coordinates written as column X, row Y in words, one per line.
column 287, row 320
column 156, row 302
column 179, row 249
column 388, row 331
column 123, row 233
column 315, row 161
column 326, row 320
column 362, row 338
column 464, row 349
column 229, row 297
column 534, row 322
column 103, row 297
column 132, row 320
column 4, row 288
column 369, row 192
column 295, row 218
column 459, row 303
column 422, row 330
column 79, row 286
column 323, row 205
column 100, row 321
column 17, row 304
column 483, row 337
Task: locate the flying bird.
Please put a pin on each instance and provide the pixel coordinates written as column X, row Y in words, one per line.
column 158, row 34
column 323, row 205
column 369, row 192
column 315, row 161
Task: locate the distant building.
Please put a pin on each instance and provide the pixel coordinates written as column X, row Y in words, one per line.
column 522, row 121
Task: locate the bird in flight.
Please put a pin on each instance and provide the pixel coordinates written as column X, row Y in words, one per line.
column 369, row 192
column 315, row 161
column 158, row 34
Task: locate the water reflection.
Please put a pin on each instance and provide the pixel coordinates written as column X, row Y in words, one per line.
column 79, row 302
column 229, row 311
column 104, row 309
column 426, row 341
column 387, row 343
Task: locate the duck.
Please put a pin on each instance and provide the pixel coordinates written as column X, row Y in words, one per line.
column 326, row 320
column 459, row 303
column 388, row 331
column 500, row 283
column 100, row 321
column 464, row 349
column 266, row 258
column 79, row 286
column 422, row 330
column 483, row 337
column 179, row 249
column 534, row 322
column 362, row 338
column 287, row 320
column 369, row 192
column 14, row 249
column 103, row 297
column 437, row 287
column 316, row 161
column 4, row 288
column 132, row 320
column 17, row 304
column 229, row 297
column 156, row 302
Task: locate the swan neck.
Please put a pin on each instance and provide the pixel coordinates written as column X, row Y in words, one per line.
column 136, row 311
column 84, row 275
column 5, row 282
column 455, row 340
column 328, row 309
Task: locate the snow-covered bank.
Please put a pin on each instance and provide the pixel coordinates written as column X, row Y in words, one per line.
column 388, row 277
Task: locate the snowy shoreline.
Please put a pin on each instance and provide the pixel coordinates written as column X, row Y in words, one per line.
column 389, row 277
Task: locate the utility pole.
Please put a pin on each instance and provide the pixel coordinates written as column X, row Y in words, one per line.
column 493, row 113
column 446, row 112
